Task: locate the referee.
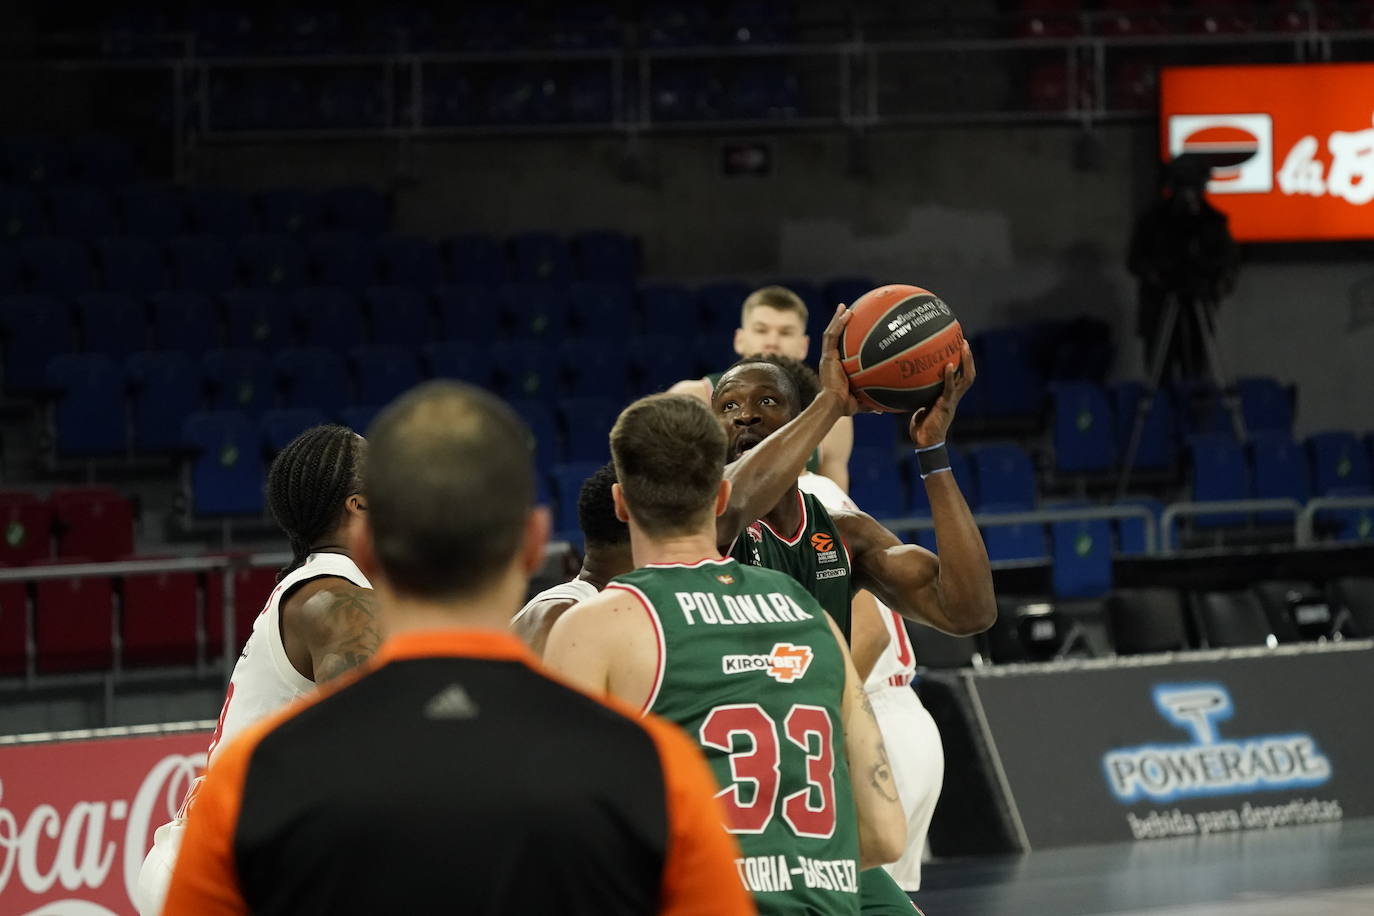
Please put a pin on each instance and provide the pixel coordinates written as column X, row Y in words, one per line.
column 450, row 773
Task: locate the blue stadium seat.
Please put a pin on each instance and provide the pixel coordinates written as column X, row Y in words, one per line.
column 1158, row 446
column 166, row 389
column 467, row 312
column 668, row 309
column 274, row 261
column 1278, row 470
column 131, row 265
column 1005, row 476
column 1265, row 405
column 359, row 419
column 668, row 24
column 346, row 259
column 541, row 257
column 150, row 212
column 525, row 368
column 880, row 431
column 1130, row 532
column 875, row 482
column 713, row 353
column 383, row 372
column 1340, row 465
column 539, row 417
column 20, row 215
column 327, row 316
column 185, row 320
column 227, row 475
column 257, row 318
column 81, row 212
column 33, row 329
column 1218, row 472
column 1014, row 542
column 1005, row 369
column 586, row 425
column 567, row 484
column 312, row 377
column 89, row 417
column 606, row 257
column 35, row 160
column 534, row 310
column 201, row 262
column 683, row 91
column 60, row 267
column 592, row 367
column 355, row 209
column 280, row 426
column 1199, row 409
column 10, row 279
column 292, row 211
column 408, row 261
column 111, row 323
column 1082, row 558
column 657, row 363
column 239, row 379
column 457, row 359
column 600, row 310
column 100, row 159
column 399, row 315
column 220, row 212
column 767, row 91
column 718, row 305
column 1083, row 433
column 476, row 259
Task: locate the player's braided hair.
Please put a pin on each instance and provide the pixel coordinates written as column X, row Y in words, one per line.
column 803, row 378
column 308, row 483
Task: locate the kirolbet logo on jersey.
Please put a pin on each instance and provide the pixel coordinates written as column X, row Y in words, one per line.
column 785, row 663
column 1210, row 765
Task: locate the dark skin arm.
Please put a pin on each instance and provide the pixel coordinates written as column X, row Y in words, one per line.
column 953, row 592
column 329, row 626
column 762, row 475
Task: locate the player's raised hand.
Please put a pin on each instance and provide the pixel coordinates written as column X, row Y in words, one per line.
column 929, row 427
column 832, row 374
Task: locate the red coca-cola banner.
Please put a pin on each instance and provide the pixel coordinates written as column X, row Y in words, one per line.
column 77, row 818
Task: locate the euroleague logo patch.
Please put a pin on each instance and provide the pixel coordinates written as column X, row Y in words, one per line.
column 785, row 663
column 825, row 547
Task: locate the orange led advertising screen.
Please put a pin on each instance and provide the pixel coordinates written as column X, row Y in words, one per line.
column 1291, row 146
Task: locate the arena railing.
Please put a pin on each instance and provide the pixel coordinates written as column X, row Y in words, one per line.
column 1231, row 507
column 1045, row 517
column 1307, row 518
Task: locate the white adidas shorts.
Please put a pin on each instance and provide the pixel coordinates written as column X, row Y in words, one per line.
column 918, row 765
column 155, row 877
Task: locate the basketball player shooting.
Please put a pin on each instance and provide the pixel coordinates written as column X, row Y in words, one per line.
column 744, row 660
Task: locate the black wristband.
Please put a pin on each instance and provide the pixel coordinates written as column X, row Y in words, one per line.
column 932, row 460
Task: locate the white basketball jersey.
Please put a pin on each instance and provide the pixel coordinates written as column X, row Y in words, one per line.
column 573, row 590
column 896, row 666
column 264, row 679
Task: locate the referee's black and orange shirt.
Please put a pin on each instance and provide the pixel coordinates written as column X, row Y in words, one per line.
column 452, row 776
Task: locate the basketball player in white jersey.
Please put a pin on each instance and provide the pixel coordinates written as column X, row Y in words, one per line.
column 319, row 621
column 607, row 541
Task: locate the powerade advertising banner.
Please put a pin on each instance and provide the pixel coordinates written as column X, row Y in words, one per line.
column 1148, row 751
column 77, row 818
column 1291, row 146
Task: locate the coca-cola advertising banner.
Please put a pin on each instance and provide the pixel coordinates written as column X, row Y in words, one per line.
column 1291, row 146
column 77, row 818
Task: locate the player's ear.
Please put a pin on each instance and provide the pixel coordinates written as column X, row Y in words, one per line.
column 538, row 524
column 363, row 549
column 618, row 497
column 356, row 504
column 723, row 497
column 739, row 342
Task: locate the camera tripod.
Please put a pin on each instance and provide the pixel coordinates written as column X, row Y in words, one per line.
column 1216, row 368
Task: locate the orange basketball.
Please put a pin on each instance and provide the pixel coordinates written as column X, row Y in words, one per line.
column 896, row 346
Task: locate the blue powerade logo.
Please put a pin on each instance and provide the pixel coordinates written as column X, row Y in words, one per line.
column 1209, row 765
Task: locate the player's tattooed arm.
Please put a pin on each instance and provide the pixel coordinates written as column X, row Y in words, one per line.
column 341, row 629
column 880, row 770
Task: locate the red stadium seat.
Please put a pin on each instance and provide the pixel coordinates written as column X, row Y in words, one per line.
column 1048, row 18
column 74, row 624
column 1219, row 17
column 14, row 627
column 159, row 619
column 25, row 528
column 96, row 523
column 252, row 588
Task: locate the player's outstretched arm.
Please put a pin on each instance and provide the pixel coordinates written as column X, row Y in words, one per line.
column 534, row 622
column 882, row 821
column 764, row 473
column 607, row 645
column 338, row 623
column 693, row 387
column 836, row 448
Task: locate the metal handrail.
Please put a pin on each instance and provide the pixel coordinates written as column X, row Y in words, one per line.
column 1306, row 535
column 1044, row 517
column 1220, row 507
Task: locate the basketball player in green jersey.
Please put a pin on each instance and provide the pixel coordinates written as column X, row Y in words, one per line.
column 773, row 321
column 745, row 661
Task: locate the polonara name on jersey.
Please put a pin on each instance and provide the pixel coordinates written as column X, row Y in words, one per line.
column 774, row 607
column 764, row 874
